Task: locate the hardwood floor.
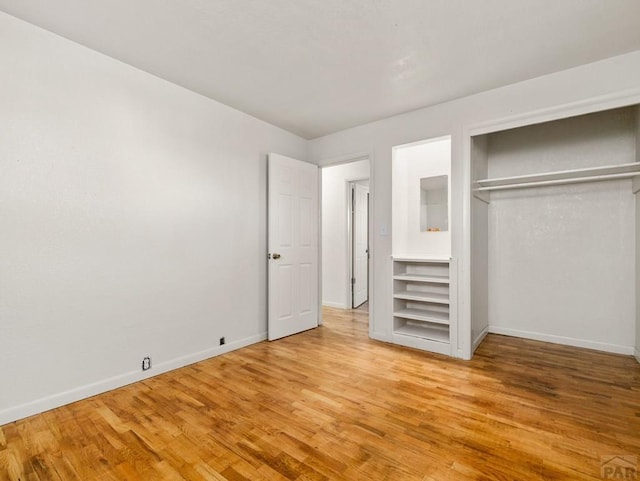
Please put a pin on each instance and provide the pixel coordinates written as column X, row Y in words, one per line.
column 332, row 404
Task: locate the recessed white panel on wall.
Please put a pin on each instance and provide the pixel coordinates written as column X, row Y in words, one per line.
column 421, row 199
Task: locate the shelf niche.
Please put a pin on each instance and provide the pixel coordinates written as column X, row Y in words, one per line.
column 421, row 199
column 421, row 303
column 422, row 310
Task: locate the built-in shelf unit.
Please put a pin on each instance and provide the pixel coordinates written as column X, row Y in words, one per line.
column 421, row 303
column 423, row 274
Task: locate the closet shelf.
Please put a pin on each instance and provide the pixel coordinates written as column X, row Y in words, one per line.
column 421, row 260
column 422, row 296
column 422, row 278
column 591, row 174
column 434, row 333
column 423, row 315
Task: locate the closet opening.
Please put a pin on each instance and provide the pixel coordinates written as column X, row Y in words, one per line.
column 554, row 231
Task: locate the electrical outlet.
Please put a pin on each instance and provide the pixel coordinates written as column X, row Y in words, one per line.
column 146, row 363
column 222, row 341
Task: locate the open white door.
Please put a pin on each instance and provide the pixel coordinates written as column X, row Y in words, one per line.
column 293, row 246
column 360, row 252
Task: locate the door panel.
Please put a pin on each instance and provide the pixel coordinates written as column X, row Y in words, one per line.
column 293, row 239
column 284, row 277
column 306, row 220
column 360, row 245
column 285, row 220
column 307, row 300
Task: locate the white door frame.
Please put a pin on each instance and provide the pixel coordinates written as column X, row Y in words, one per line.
column 332, row 162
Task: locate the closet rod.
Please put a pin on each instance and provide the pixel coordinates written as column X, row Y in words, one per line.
column 562, row 174
column 575, row 180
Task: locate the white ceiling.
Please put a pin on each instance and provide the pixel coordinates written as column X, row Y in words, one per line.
column 318, row 66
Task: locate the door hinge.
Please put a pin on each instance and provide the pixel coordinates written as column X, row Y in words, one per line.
column 353, row 280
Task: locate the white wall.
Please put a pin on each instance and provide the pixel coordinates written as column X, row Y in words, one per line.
column 335, row 237
column 133, row 220
column 410, row 164
column 562, row 258
column 479, row 237
column 637, row 345
column 608, row 79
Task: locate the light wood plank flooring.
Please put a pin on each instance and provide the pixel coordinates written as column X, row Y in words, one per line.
column 332, row 404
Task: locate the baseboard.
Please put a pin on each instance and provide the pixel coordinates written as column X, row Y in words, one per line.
column 378, row 336
column 636, row 353
column 422, row 344
column 336, row 305
column 67, row 397
column 567, row 341
column 479, row 339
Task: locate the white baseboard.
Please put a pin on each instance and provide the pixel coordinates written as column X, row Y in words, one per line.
column 567, row 341
column 423, row 344
column 636, row 353
column 60, row 399
column 336, row 305
column 379, row 336
column 479, row 339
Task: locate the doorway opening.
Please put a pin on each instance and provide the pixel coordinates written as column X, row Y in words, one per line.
column 345, row 236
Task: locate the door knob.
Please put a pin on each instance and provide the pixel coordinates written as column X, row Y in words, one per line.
column 276, row 256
